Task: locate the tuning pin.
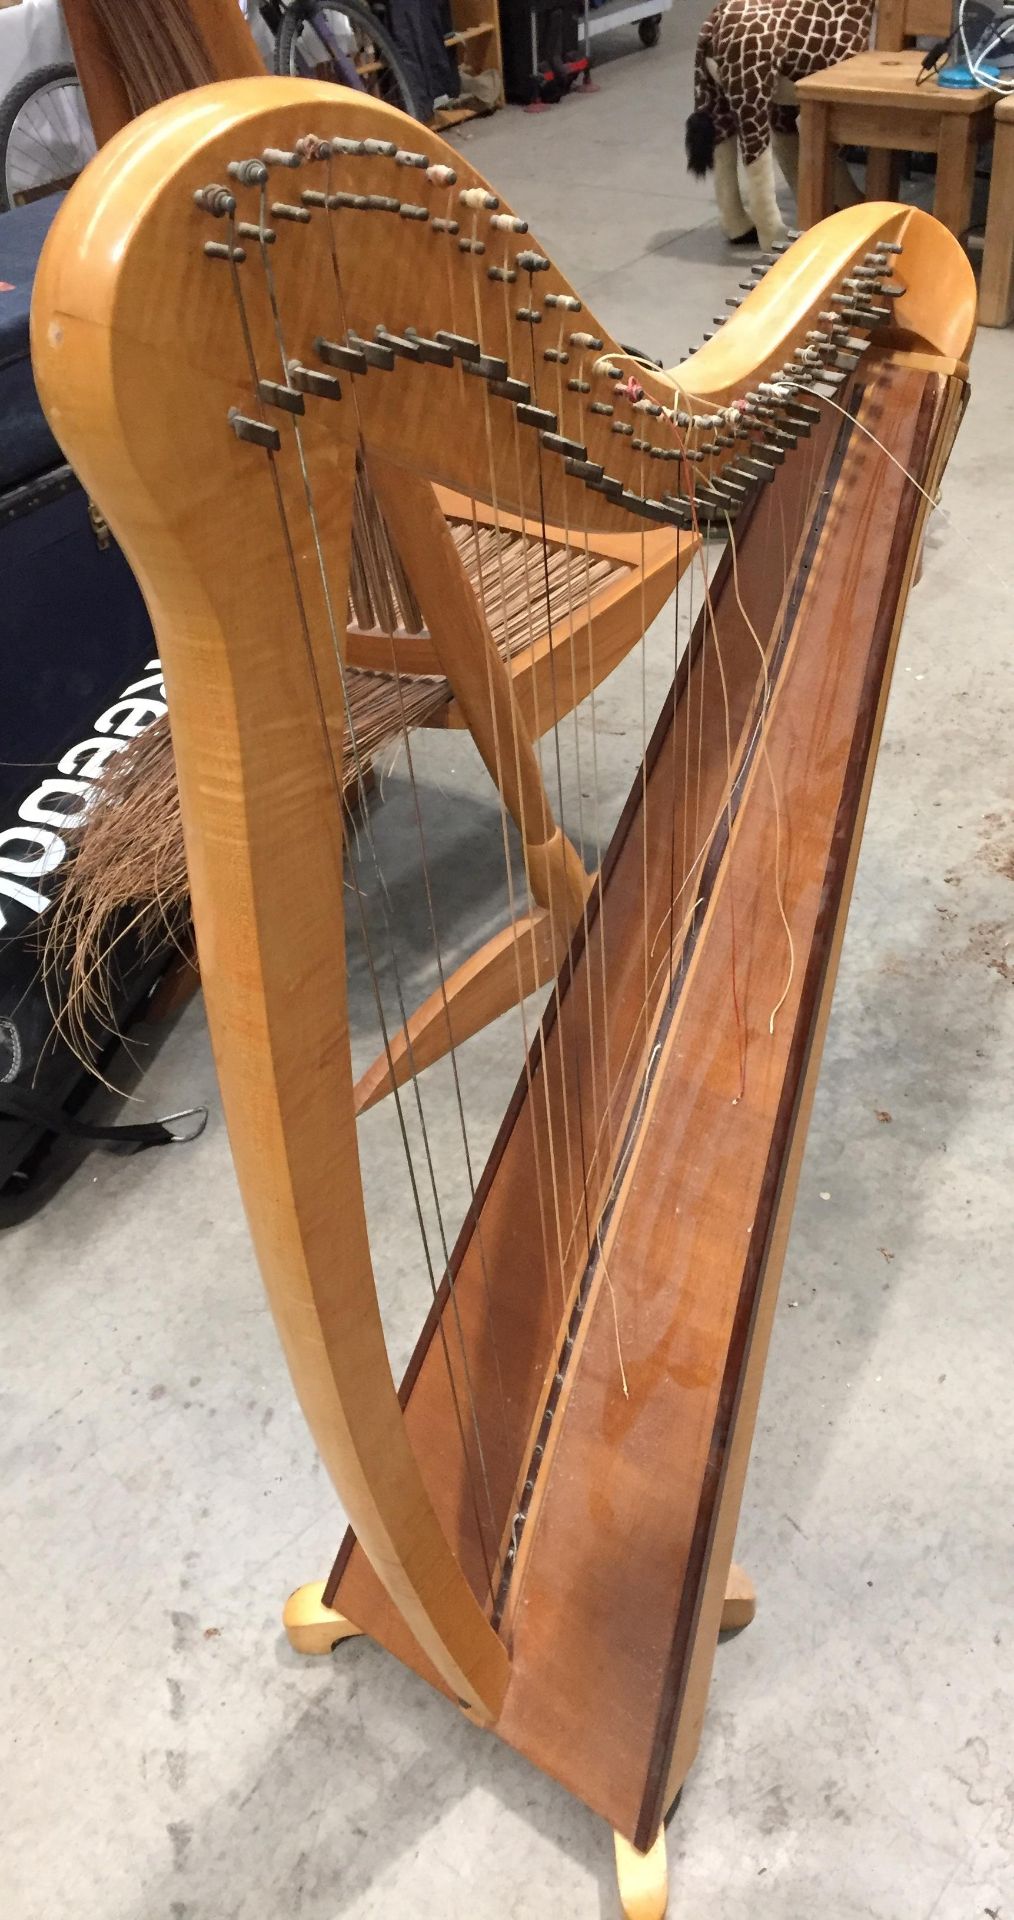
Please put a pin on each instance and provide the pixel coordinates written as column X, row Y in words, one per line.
column 217, row 201
column 478, row 200
column 217, row 250
column 249, row 173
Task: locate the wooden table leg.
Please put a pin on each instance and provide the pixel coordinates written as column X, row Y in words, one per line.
column 816, row 163
column 952, row 202
column 996, row 287
column 883, row 173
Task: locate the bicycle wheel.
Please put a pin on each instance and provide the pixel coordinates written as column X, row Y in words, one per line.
column 343, row 40
column 46, row 136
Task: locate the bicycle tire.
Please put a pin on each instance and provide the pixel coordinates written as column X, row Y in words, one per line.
column 11, row 106
column 300, row 13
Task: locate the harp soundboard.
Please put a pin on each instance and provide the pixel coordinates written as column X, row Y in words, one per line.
column 255, row 294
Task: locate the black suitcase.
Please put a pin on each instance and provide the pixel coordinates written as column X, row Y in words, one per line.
column 79, row 676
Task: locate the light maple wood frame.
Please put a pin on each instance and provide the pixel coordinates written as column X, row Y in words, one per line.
column 134, row 343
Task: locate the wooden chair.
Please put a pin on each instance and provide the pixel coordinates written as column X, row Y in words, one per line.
column 996, row 286
column 873, row 101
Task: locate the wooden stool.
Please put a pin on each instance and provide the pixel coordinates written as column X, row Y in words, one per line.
column 996, row 287
column 873, row 101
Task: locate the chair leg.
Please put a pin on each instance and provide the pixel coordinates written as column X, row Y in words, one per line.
column 996, row 287
column 883, row 174
column 955, row 173
column 815, row 163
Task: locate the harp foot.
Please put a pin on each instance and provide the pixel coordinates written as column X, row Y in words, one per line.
column 642, row 1878
column 310, row 1625
column 740, row 1603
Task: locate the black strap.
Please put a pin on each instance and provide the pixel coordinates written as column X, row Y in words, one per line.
column 20, row 1103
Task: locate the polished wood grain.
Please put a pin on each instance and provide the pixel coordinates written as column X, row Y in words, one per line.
column 875, row 100
column 633, row 1199
column 686, row 1251
column 505, row 970
column 566, row 1126
column 642, row 1878
column 996, row 285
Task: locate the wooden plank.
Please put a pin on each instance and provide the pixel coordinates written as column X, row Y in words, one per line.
column 952, row 200
column 996, row 286
column 524, row 1321
column 816, row 163
column 604, row 1611
column 890, row 80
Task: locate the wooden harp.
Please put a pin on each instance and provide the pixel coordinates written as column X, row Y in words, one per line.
column 250, row 291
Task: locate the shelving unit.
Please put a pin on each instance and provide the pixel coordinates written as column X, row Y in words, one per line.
column 476, row 42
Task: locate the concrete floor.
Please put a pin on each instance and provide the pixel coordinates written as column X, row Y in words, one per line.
column 166, row 1755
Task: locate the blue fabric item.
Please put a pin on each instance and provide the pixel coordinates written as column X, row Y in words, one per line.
column 962, row 76
column 26, row 445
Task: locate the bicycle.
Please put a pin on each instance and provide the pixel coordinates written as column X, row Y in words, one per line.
column 46, row 136
column 342, row 40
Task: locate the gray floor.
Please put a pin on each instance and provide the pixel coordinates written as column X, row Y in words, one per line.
column 165, row 1754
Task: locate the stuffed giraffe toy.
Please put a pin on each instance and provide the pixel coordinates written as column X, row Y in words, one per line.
column 747, row 51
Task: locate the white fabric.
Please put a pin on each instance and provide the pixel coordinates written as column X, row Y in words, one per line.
column 32, row 35
column 759, row 195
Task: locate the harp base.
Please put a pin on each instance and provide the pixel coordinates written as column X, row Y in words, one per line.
column 312, row 1627
column 740, row 1603
column 642, row 1879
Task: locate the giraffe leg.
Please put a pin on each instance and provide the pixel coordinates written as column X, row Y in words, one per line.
column 731, row 211
column 759, row 193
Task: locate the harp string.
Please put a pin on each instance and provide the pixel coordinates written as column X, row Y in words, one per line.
column 569, row 962
column 519, row 469
column 561, row 409
column 642, row 489
column 585, row 372
column 554, row 906
column 775, row 796
column 538, row 730
column 563, row 1244
column 360, row 903
column 526, row 1045
column 452, row 1049
column 580, row 1204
